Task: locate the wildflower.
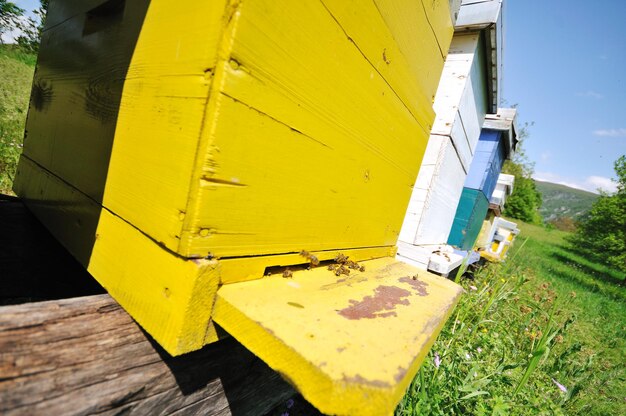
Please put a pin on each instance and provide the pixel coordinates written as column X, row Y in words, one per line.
column 484, row 330
column 479, row 350
column 467, row 356
column 437, row 360
column 473, row 287
column 289, row 403
column 560, row 386
column 502, row 280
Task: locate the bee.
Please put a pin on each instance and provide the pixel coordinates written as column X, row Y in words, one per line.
column 287, row 273
column 362, row 269
column 332, row 267
column 341, row 258
column 356, row 266
column 311, row 258
column 342, row 270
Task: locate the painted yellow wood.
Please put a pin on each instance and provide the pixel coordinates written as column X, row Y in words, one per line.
column 67, row 213
column 485, row 230
column 171, row 298
column 161, row 116
column 174, row 149
column 406, row 20
column 351, row 344
column 241, row 128
column 280, row 191
column 319, row 133
column 76, row 94
column 365, row 26
column 440, row 20
column 250, row 268
column 494, row 256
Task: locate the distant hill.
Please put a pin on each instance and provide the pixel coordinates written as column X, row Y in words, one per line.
column 561, row 201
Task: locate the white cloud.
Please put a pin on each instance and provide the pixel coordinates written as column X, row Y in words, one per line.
column 601, row 182
column 610, row 132
column 9, row 37
column 590, row 94
column 590, row 184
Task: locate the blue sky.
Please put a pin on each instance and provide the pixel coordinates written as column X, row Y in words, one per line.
column 565, row 68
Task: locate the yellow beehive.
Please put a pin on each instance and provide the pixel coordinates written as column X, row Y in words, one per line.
column 176, row 148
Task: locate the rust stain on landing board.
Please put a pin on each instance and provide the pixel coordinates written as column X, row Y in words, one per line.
column 418, row 285
column 381, row 305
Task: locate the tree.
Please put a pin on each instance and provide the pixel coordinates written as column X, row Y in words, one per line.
column 9, row 17
column 525, row 201
column 32, row 29
column 602, row 231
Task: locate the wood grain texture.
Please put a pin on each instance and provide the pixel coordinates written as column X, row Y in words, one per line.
column 316, row 117
column 77, row 90
column 87, row 356
column 162, row 112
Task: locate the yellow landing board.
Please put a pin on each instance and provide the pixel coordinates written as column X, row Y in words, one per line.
column 350, row 344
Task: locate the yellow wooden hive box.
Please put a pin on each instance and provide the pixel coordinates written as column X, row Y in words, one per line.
column 174, row 148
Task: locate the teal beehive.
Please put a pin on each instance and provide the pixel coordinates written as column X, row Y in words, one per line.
column 468, row 219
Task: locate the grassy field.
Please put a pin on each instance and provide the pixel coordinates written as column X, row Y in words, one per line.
column 543, row 334
column 16, row 73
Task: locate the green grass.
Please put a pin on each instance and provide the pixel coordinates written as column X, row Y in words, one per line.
column 16, row 73
column 546, row 316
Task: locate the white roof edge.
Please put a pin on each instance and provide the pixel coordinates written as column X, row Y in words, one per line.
column 486, row 15
column 455, row 5
column 478, row 15
column 504, row 120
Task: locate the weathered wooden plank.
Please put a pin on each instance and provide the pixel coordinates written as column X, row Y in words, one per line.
column 87, row 356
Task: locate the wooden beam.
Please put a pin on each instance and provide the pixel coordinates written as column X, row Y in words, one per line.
column 87, row 356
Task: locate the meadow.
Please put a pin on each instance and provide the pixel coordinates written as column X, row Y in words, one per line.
column 542, row 334
column 16, row 72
